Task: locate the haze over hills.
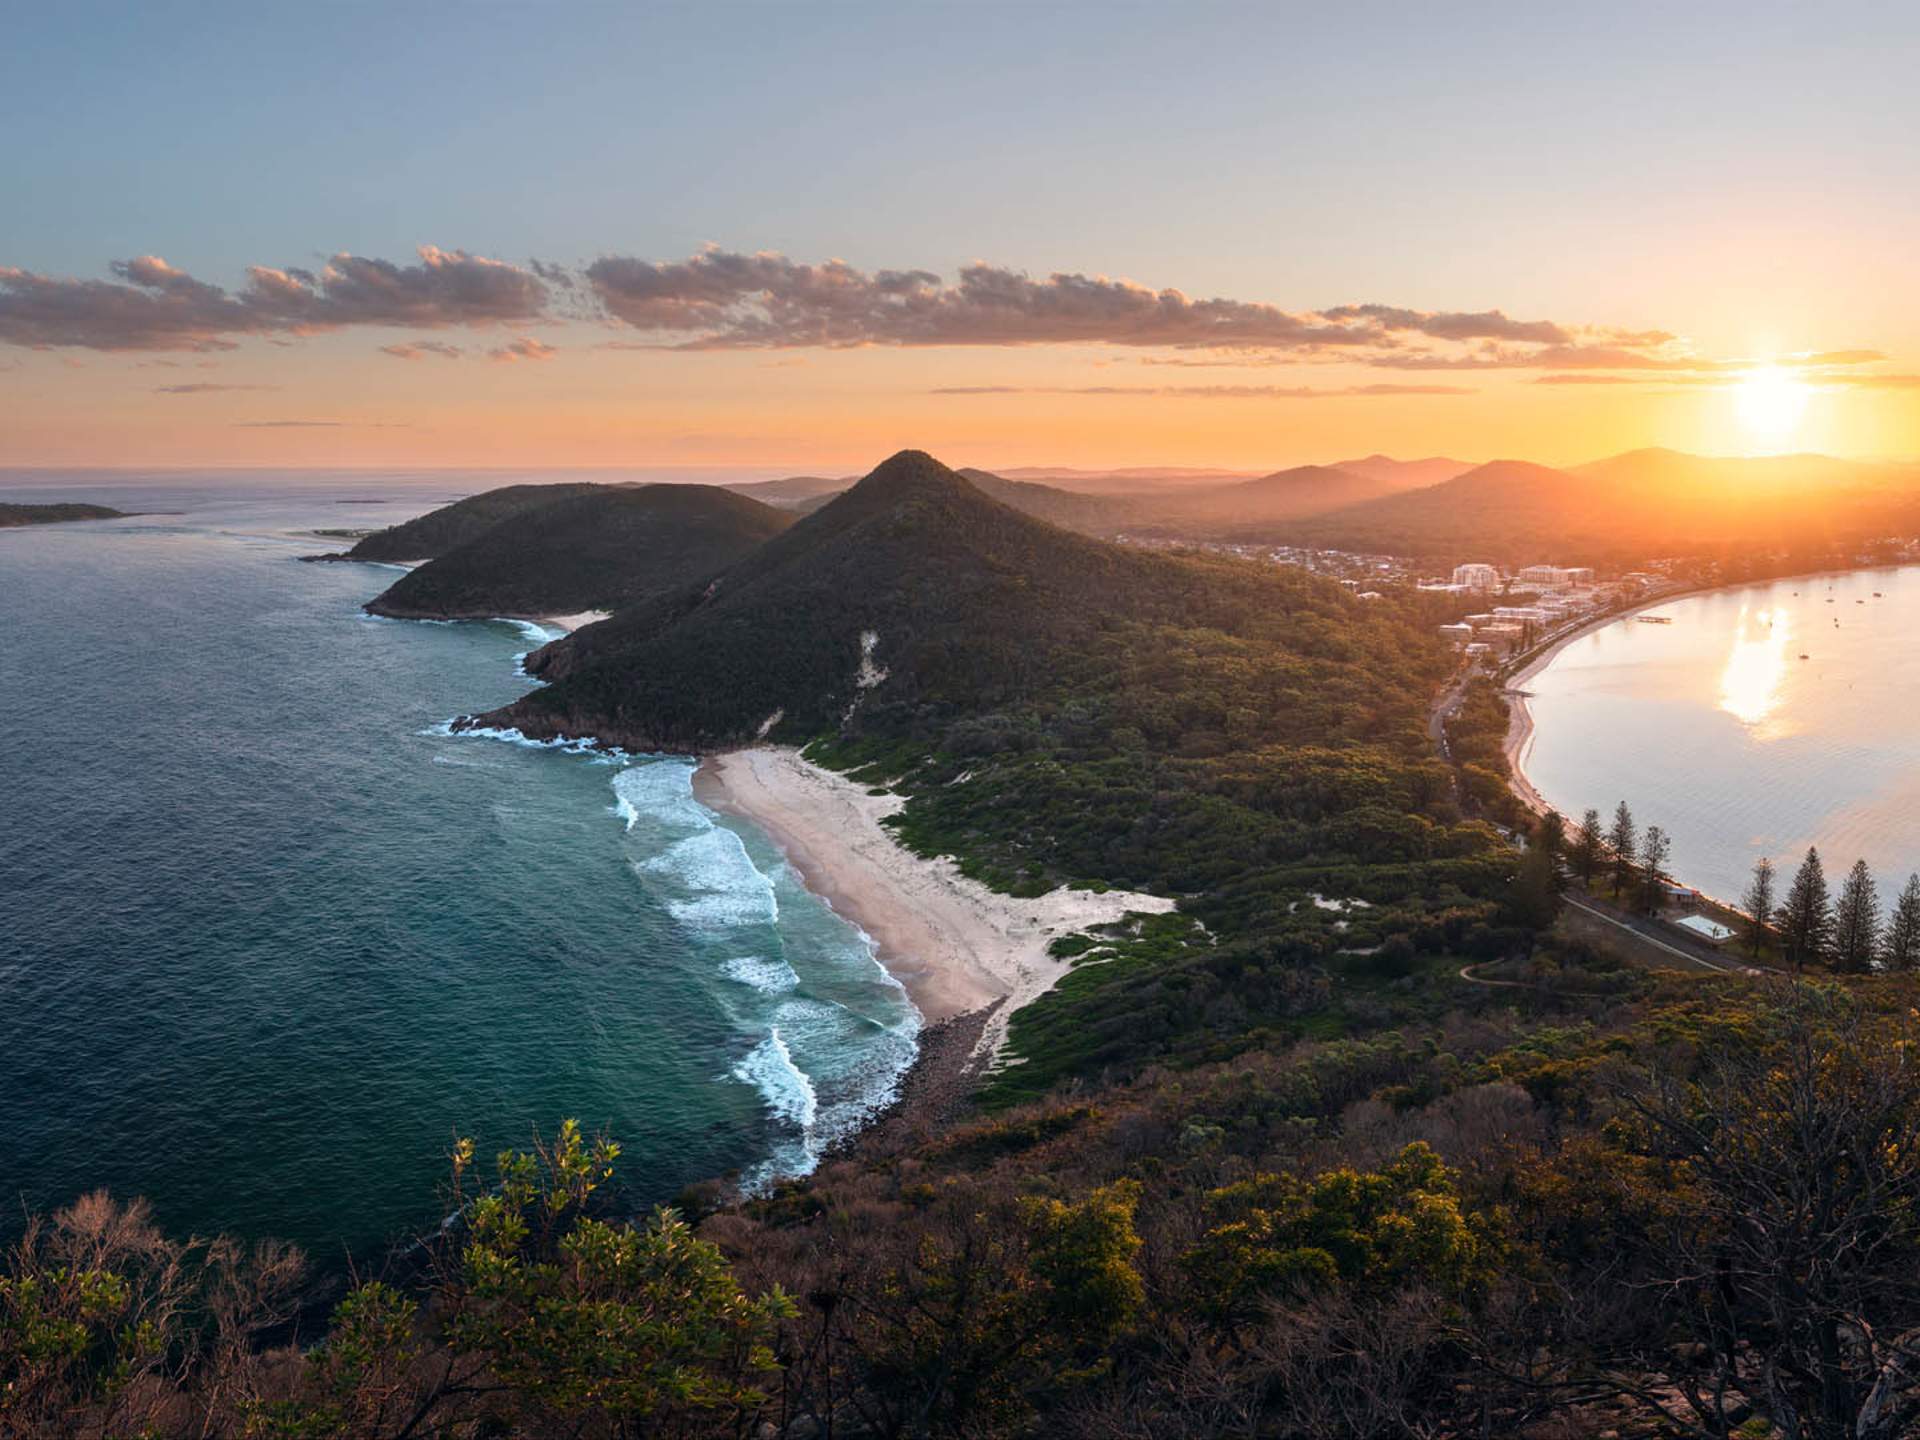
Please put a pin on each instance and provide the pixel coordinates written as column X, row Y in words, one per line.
column 793, row 490
column 600, row 550
column 1251, row 508
column 1404, row 474
column 1640, row 504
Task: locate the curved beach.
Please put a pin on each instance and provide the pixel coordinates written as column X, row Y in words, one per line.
column 955, row 945
column 1519, row 739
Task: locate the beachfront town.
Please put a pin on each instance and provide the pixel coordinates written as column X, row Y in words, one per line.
column 1545, row 600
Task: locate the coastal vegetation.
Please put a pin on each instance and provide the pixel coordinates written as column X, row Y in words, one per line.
column 13, row 515
column 439, row 531
column 607, row 548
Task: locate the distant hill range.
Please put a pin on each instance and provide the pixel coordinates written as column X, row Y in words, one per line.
column 915, row 593
column 12, row 516
column 600, row 549
column 1636, row 505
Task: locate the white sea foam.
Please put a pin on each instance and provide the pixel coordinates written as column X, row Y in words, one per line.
column 822, row 1063
column 723, row 885
column 661, row 791
column 606, row 755
column 789, row 1094
column 770, row 977
column 530, row 629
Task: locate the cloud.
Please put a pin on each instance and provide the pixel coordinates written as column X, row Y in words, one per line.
column 1450, row 325
column 420, row 349
column 1209, row 392
column 525, row 348
column 206, row 388
column 151, row 305
column 721, row 299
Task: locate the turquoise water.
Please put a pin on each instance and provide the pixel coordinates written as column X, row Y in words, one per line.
column 270, row 937
column 1757, row 721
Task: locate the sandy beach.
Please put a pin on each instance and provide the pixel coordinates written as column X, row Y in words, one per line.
column 957, row 946
column 570, row 623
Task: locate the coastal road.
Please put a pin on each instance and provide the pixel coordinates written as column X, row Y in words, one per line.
column 1653, row 933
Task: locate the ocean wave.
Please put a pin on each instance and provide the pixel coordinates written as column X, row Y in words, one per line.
column 604, row 755
column 756, row 972
column 660, row 791
column 788, row 1093
column 530, row 629
column 724, row 887
column 805, row 993
column 823, row 1072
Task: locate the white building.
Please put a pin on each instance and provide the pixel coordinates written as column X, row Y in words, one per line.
column 1476, row 576
column 1553, row 577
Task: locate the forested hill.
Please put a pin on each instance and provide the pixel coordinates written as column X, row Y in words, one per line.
column 1059, row 709
column 964, row 604
column 439, row 531
column 12, row 515
column 601, row 550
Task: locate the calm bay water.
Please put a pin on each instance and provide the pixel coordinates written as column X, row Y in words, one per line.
column 1760, row 721
column 269, row 937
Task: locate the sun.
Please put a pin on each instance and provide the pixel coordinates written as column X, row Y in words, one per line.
column 1770, row 403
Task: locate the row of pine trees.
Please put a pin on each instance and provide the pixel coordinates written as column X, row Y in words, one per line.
column 1848, row 933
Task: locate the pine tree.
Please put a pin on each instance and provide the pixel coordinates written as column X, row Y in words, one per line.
column 1806, row 919
column 1622, row 843
column 1653, row 879
column 1588, row 844
column 1551, row 840
column 1902, row 948
column 1856, row 922
column 1759, row 903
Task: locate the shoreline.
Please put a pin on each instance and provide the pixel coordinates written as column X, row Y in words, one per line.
column 1520, row 723
column 1520, row 716
column 957, row 947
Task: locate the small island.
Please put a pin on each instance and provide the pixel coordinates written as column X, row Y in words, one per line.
column 12, row 516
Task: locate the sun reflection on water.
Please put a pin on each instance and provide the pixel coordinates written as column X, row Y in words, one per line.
column 1756, row 665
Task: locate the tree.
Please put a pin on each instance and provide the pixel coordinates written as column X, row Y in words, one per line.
column 1653, row 877
column 1588, row 844
column 1534, row 899
column 1552, row 834
column 1806, row 919
column 1622, row 844
column 1856, row 922
column 637, row 1327
column 1759, row 903
column 1791, row 1150
column 1902, row 947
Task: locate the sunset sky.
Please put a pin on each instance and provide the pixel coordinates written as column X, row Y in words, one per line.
column 796, row 239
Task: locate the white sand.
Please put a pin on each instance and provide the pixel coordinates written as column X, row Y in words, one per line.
column 956, row 945
column 573, row 622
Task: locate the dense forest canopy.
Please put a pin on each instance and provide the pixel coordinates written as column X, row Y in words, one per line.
column 601, row 550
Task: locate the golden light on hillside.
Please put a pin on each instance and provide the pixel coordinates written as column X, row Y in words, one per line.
column 1770, row 403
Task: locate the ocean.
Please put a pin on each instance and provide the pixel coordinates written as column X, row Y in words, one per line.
column 271, row 936
column 1757, row 720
